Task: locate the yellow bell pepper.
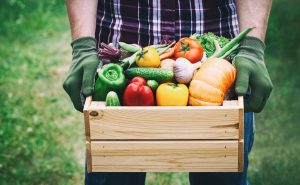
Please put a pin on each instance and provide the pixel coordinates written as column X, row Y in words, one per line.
column 148, row 57
column 171, row 94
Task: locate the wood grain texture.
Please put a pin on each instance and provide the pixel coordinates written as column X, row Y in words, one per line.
column 88, row 157
column 171, row 123
column 87, row 125
column 230, row 103
column 241, row 102
column 163, row 156
column 87, row 104
column 241, row 133
column 165, row 139
column 241, row 155
column 241, row 117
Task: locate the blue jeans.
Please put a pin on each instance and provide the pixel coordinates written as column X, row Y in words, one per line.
column 196, row 178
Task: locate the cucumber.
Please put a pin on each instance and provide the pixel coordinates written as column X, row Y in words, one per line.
column 158, row 74
column 112, row 99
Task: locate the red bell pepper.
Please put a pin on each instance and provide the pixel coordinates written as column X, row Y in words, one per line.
column 138, row 94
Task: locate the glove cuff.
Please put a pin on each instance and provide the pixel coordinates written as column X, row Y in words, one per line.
column 83, row 42
column 252, row 47
column 83, row 47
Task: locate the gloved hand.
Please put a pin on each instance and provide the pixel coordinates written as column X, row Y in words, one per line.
column 81, row 75
column 252, row 71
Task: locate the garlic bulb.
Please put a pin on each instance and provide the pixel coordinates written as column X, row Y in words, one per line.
column 184, row 70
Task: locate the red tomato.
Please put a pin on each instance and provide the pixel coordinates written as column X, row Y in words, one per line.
column 190, row 49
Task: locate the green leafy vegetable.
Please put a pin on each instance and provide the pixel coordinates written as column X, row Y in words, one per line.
column 207, row 41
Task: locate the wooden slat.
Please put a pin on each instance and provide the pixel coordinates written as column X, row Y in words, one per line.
column 241, row 155
column 86, row 113
column 241, row 102
column 88, row 157
column 241, row 117
column 87, row 102
column 230, row 103
column 163, row 156
column 241, row 133
column 156, row 123
column 226, row 103
column 96, row 105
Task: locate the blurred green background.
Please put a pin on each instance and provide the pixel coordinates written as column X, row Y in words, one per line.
column 42, row 136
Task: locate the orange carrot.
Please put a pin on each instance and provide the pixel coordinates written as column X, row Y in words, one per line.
column 167, row 54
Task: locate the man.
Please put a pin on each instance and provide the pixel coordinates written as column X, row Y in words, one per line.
column 145, row 22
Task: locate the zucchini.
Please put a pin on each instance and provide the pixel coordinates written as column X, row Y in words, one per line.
column 158, row 74
column 129, row 47
column 112, row 99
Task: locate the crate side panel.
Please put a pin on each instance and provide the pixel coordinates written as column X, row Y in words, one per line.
column 160, row 156
column 88, row 157
column 110, row 124
column 241, row 155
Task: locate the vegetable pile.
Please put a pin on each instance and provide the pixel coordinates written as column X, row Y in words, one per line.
column 192, row 71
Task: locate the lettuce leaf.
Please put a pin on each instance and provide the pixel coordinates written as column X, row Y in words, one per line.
column 207, row 42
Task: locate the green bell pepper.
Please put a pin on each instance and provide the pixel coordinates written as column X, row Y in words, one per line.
column 110, row 78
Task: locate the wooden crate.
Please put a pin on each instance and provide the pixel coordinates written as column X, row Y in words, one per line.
column 164, row 139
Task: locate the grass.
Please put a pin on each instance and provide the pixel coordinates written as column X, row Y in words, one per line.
column 42, row 136
column 36, row 148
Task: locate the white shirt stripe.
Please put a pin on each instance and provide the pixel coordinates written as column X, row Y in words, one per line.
column 139, row 26
column 198, row 16
column 228, row 21
column 202, row 18
column 118, row 23
column 104, row 11
column 191, row 23
column 179, row 14
column 158, row 21
column 155, row 21
column 234, row 21
column 220, row 21
column 111, row 31
column 149, row 40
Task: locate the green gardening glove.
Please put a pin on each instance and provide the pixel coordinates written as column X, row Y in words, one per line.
column 81, row 76
column 252, row 72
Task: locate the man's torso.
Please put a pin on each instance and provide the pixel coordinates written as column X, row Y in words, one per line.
column 146, row 21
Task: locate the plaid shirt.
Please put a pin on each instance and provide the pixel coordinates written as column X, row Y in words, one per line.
column 145, row 22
